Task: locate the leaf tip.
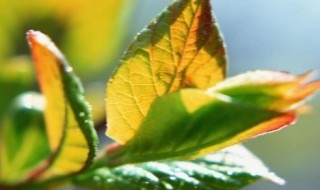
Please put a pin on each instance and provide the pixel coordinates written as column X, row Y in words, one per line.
column 274, row 178
column 280, row 122
column 37, row 38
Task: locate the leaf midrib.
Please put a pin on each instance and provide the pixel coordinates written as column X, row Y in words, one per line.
column 183, row 54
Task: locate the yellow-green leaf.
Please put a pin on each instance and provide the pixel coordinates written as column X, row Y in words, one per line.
column 72, row 137
column 91, row 35
column 181, row 48
column 280, row 91
column 193, row 122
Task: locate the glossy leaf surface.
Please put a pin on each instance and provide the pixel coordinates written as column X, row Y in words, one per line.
column 23, row 140
column 181, row 48
column 231, row 168
column 71, row 134
column 192, row 122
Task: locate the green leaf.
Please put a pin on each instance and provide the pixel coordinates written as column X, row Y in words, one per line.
column 23, row 140
column 72, row 137
column 181, row 48
column 280, row 91
column 231, row 168
column 91, row 35
column 192, row 122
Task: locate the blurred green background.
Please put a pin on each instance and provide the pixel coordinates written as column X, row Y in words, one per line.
column 264, row 34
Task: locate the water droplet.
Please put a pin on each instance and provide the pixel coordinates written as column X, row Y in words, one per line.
column 87, row 121
column 172, row 178
column 82, row 114
column 230, row 173
column 167, row 185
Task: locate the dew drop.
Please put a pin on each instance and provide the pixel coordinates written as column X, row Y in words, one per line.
column 82, row 114
column 172, row 178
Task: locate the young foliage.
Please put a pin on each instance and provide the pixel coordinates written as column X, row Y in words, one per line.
column 168, row 103
column 278, row 91
column 170, row 84
column 231, row 168
column 181, row 48
column 70, row 130
column 200, row 123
